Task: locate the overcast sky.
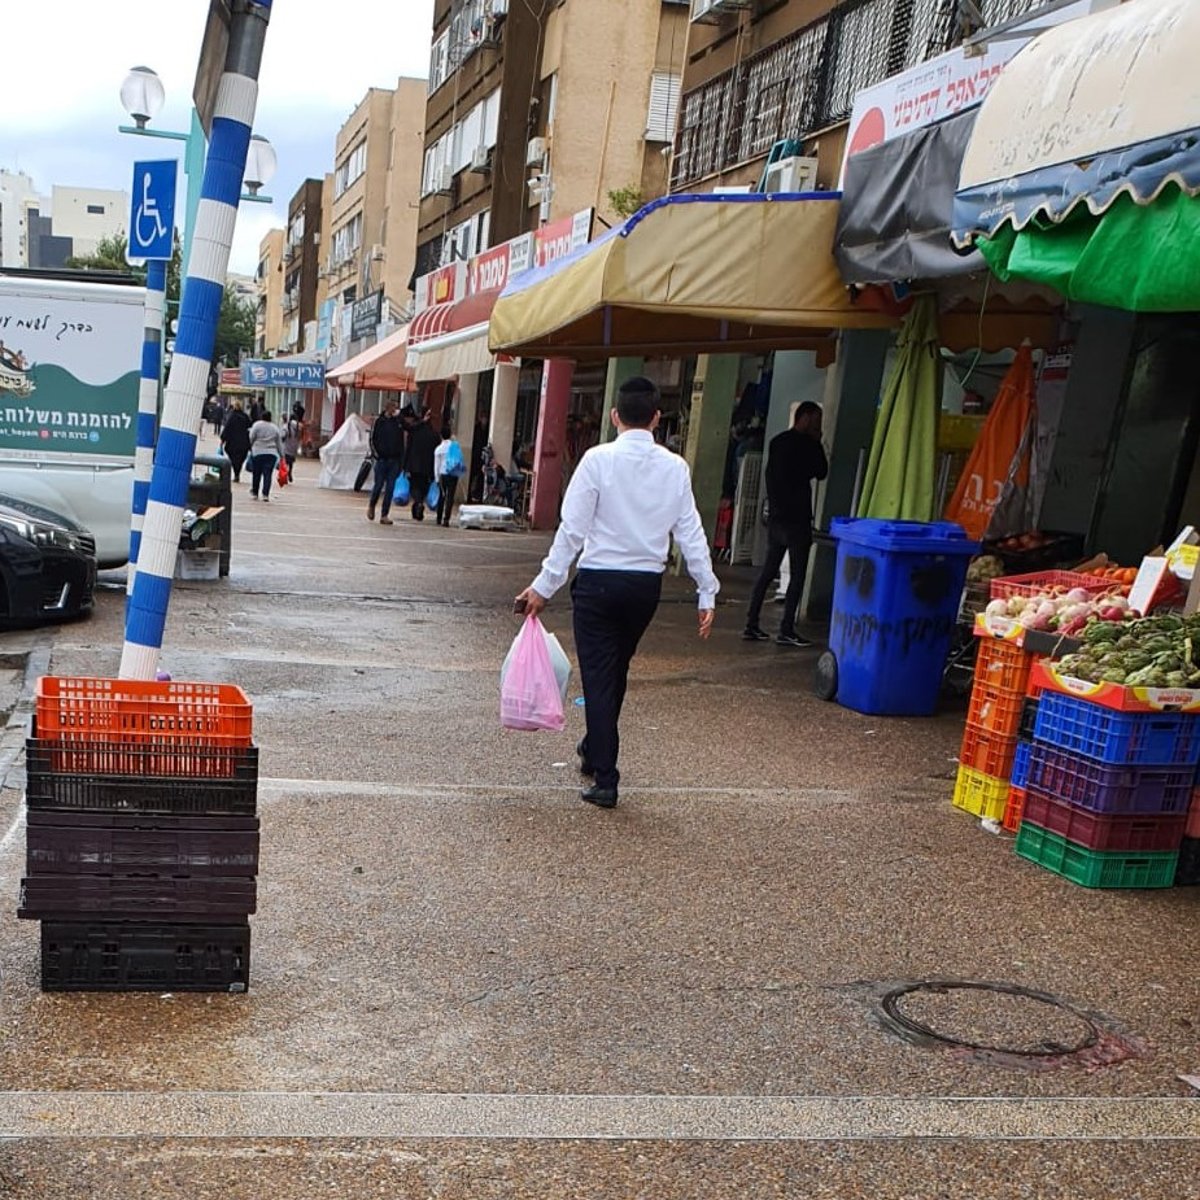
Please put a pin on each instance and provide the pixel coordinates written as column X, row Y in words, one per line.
column 62, row 79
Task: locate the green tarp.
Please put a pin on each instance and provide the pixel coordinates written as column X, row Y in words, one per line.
column 899, row 483
column 1135, row 257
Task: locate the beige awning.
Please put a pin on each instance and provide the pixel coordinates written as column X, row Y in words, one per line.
column 464, row 352
column 690, row 274
column 383, row 367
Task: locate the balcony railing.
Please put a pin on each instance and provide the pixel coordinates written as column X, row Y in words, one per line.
column 808, row 80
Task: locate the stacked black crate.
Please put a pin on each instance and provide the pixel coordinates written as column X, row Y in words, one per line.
column 142, row 843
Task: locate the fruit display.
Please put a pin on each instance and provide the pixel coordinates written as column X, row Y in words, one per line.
column 1022, row 542
column 1123, row 576
column 985, row 568
column 1152, row 652
column 1061, row 610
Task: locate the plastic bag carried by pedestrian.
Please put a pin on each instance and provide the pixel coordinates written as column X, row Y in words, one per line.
column 281, row 476
column 433, row 497
column 402, row 492
column 454, row 461
column 530, row 693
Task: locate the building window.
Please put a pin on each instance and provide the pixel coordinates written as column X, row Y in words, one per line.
column 351, row 169
column 96, row 210
column 439, row 62
column 467, row 239
column 346, row 240
column 664, row 107
column 491, row 119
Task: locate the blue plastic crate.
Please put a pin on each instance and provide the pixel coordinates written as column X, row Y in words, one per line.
column 1120, row 738
column 1020, row 767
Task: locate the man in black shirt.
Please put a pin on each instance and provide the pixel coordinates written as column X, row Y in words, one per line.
column 796, row 457
column 418, row 461
column 387, row 444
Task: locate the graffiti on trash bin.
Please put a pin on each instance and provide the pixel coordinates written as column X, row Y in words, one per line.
column 858, row 572
column 901, row 635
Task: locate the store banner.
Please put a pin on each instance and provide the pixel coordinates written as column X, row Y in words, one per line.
column 365, row 315
column 992, row 496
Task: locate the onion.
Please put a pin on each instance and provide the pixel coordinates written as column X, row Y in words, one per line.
column 997, row 608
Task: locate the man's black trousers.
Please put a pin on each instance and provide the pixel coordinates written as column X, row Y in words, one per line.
column 795, row 541
column 612, row 611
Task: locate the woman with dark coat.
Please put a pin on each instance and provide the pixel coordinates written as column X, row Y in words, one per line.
column 235, row 437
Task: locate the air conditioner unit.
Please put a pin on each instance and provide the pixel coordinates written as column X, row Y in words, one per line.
column 710, row 12
column 481, row 160
column 790, row 175
column 443, row 181
column 377, row 252
column 535, row 152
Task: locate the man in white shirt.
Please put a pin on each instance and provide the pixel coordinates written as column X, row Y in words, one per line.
column 625, row 501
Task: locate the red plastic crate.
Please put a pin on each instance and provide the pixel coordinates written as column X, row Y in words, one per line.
column 1001, row 664
column 1044, row 581
column 1103, row 831
column 1014, row 809
column 1193, row 819
column 121, row 710
column 995, row 709
column 987, row 752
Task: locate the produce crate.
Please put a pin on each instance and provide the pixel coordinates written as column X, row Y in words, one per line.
column 995, row 709
column 1000, row 664
column 92, row 843
column 62, row 768
column 82, row 709
column 1019, row 776
column 1014, row 809
column 980, row 794
column 86, row 956
column 1044, row 677
column 1095, row 868
column 1099, row 831
column 1193, row 821
column 1029, row 710
column 1187, row 873
column 1044, row 581
column 1123, row 739
column 989, row 753
column 135, row 897
column 1101, row 788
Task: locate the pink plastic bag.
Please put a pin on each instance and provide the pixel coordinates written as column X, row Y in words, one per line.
column 529, row 691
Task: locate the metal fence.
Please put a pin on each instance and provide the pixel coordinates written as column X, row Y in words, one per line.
column 808, row 80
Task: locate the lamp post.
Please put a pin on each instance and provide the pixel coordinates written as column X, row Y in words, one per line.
column 143, row 96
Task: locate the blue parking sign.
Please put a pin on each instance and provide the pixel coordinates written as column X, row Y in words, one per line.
column 152, row 210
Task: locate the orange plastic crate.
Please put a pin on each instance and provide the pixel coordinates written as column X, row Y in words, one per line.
column 1045, row 581
column 987, row 752
column 995, row 709
column 1014, row 809
column 1000, row 664
column 70, row 708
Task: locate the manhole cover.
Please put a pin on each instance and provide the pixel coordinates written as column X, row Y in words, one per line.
column 998, row 1017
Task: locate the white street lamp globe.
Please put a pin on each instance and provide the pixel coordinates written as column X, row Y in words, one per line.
column 260, row 164
column 143, row 95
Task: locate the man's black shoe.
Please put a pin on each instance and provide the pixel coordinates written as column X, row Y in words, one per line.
column 585, row 767
column 752, row 633
column 601, row 797
column 793, row 639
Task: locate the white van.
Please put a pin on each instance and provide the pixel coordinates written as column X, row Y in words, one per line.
column 70, row 364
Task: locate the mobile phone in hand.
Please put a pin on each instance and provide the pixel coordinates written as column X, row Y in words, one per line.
column 519, row 606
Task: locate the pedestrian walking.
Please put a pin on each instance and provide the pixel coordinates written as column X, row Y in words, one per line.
column 266, row 449
column 387, row 444
column 419, row 462
column 292, row 433
column 627, row 498
column 448, row 466
column 794, row 459
column 235, row 438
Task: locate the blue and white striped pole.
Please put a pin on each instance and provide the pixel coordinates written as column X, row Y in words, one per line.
column 143, row 459
column 233, row 117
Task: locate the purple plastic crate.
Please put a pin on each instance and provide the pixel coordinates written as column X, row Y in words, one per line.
column 1158, row 791
column 1118, row 738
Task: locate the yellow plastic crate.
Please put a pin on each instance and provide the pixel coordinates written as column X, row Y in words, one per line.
column 980, row 794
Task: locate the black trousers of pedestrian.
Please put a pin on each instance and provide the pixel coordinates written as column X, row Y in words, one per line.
column 795, row 541
column 387, row 471
column 612, row 610
column 237, row 459
column 420, row 488
column 262, row 468
column 448, row 485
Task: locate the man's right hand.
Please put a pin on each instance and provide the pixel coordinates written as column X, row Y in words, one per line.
column 529, row 603
column 707, row 617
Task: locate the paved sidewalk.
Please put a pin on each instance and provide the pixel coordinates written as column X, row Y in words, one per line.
column 467, row 983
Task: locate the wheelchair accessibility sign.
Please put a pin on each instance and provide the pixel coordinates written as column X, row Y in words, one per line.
column 152, row 210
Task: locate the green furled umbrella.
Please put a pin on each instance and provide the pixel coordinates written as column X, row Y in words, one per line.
column 899, row 484
column 1141, row 258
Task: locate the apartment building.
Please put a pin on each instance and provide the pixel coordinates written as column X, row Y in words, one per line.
column 759, row 75
column 87, row 215
column 268, row 322
column 301, row 252
column 538, row 111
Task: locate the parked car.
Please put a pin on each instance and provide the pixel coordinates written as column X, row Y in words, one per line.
column 47, row 564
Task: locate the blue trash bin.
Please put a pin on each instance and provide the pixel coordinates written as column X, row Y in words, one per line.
column 896, row 597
